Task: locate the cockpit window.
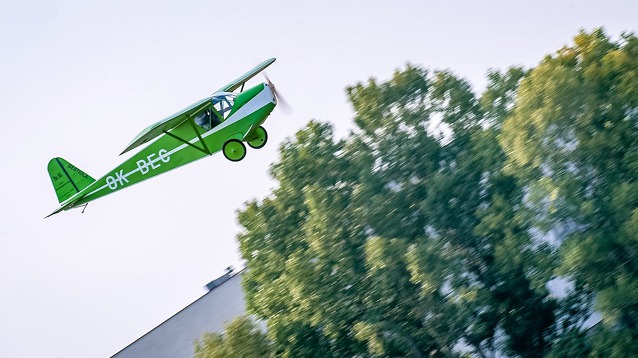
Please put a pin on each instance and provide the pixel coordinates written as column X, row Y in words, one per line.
column 222, row 104
column 204, row 120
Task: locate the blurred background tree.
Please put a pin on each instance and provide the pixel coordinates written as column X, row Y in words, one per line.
column 242, row 338
column 436, row 227
column 573, row 141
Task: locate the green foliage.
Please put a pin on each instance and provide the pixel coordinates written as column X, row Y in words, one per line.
column 241, row 339
column 573, row 139
column 434, row 228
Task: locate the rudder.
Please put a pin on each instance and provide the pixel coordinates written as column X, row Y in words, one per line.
column 67, row 179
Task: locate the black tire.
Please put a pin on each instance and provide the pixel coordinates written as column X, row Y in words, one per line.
column 234, row 150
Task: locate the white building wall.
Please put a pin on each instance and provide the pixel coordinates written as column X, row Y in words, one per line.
column 174, row 338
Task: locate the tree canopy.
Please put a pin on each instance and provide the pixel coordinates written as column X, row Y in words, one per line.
column 437, row 226
column 242, row 338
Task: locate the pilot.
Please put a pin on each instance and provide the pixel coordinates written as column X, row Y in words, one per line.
column 203, row 120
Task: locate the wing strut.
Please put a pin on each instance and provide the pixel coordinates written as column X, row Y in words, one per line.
column 201, row 140
column 186, row 142
column 204, row 148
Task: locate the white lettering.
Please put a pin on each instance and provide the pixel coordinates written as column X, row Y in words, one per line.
column 142, row 166
column 110, row 181
column 120, row 177
column 162, row 155
column 152, row 162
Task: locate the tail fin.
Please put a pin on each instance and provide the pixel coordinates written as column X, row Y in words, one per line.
column 67, row 179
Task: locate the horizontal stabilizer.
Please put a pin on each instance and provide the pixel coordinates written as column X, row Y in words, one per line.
column 67, row 179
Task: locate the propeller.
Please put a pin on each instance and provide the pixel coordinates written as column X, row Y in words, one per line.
column 282, row 103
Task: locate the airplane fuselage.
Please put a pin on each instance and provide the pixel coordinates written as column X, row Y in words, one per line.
column 183, row 144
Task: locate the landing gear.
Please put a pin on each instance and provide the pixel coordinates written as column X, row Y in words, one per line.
column 234, row 150
column 259, row 138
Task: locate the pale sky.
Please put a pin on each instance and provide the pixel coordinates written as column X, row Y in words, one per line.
column 79, row 79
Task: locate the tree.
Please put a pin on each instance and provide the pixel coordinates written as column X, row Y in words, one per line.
column 402, row 239
column 242, row 338
column 573, row 141
column 434, row 228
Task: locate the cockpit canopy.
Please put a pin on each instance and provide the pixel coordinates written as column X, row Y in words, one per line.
column 222, row 103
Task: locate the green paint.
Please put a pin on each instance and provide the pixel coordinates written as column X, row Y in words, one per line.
column 179, row 142
column 258, row 138
column 66, row 178
column 234, row 150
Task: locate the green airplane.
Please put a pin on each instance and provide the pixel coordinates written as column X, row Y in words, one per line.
column 223, row 121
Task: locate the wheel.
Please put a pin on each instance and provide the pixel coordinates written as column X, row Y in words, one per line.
column 260, row 138
column 234, row 150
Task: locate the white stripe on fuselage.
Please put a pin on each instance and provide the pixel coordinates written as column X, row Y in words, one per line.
column 260, row 100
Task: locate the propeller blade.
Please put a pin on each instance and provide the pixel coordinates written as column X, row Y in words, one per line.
column 285, row 107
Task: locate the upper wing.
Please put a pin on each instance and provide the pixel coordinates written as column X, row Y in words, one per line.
column 248, row 75
column 167, row 123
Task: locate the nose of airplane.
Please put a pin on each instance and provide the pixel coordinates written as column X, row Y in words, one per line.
column 273, row 92
column 277, row 98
